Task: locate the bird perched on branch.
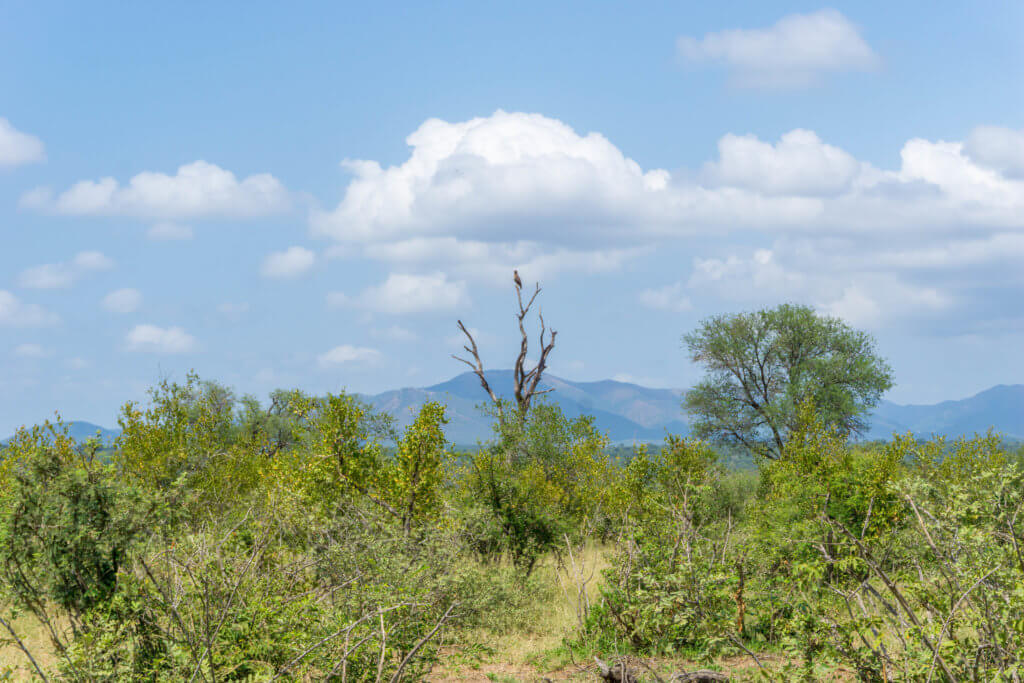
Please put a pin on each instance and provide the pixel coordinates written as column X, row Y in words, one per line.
column 515, row 278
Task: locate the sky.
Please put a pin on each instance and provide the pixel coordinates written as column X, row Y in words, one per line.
column 311, row 194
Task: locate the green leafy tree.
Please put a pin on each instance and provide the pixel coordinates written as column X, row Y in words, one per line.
column 66, row 533
column 345, row 456
column 184, row 428
column 417, row 473
column 538, row 482
column 761, row 365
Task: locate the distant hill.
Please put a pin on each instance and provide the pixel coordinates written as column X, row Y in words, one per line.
column 1000, row 408
column 80, row 431
column 85, row 430
column 627, row 412
column 631, row 413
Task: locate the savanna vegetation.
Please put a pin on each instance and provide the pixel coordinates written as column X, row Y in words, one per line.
column 310, row 538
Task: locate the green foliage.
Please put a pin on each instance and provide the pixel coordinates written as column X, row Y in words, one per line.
column 186, row 427
column 762, row 365
column 419, row 469
column 300, row 543
column 343, row 456
column 234, row 600
column 820, row 477
column 540, row 480
column 67, row 529
column 670, row 586
column 901, row 559
column 312, row 540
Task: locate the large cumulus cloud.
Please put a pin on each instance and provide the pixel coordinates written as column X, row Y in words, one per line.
column 478, row 197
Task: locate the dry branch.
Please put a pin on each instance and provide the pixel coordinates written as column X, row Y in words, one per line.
column 524, row 382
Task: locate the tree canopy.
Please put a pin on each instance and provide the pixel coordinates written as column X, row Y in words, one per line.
column 762, row 365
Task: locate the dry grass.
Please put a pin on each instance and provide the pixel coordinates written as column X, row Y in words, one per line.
column 34, row 636
column 483, row 655
column 532, row 652
column 535, row 652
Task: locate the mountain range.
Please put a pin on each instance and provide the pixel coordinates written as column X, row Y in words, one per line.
column 631, row 413
column 626, row 412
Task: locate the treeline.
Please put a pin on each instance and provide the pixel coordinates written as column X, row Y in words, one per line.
column 309, row 539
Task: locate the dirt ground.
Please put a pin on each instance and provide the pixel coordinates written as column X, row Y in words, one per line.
column 738, row 669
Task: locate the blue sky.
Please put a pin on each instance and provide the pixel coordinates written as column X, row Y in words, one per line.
column 310, row 194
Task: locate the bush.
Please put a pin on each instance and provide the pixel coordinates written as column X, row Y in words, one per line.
column 542, row 479
column 672, row 585
column 69, row 526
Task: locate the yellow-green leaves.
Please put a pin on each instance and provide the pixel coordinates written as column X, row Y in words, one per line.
column 420, row 465
column 185, row 427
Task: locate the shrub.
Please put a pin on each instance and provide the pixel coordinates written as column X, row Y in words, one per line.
column 66, row 533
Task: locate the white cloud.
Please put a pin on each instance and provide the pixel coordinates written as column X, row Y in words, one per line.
column 125, row 300
column 339, row 300
column 457, row 340
column 956, row 253
column 510, row 177
column 91, row 260
column 153, row 339
column 167, row 231
column 197, row 189
column 998, row 148
column 871, row 303
column 739, row 278
column 17, row 148
column 403, row 293
column 61, row 275
column 668, row 298
column 14, row 313
column 796, row 51
column 855, row 306
column 291, row 262
column 493, row 262
column 477, row 198
column 480, row 197
column 798, row 164
column 836, row 284
column 30, row 351
column 967, row 192
column 344, row 354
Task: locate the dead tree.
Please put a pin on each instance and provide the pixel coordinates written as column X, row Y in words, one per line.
column 524, row 382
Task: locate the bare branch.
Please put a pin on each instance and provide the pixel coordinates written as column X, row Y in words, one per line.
column 478, row 366
column 21, row 646
column 523, row 310
column 423, row 641
column 524, row 382
column 346, row 631
column 895, row 592
column 538, row 370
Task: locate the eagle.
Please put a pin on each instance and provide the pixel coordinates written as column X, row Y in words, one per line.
column 515, row 278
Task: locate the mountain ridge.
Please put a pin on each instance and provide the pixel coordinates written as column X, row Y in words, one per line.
column 631, row 413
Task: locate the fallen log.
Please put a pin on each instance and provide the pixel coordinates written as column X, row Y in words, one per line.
column 619, row 673
column 702, row 676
